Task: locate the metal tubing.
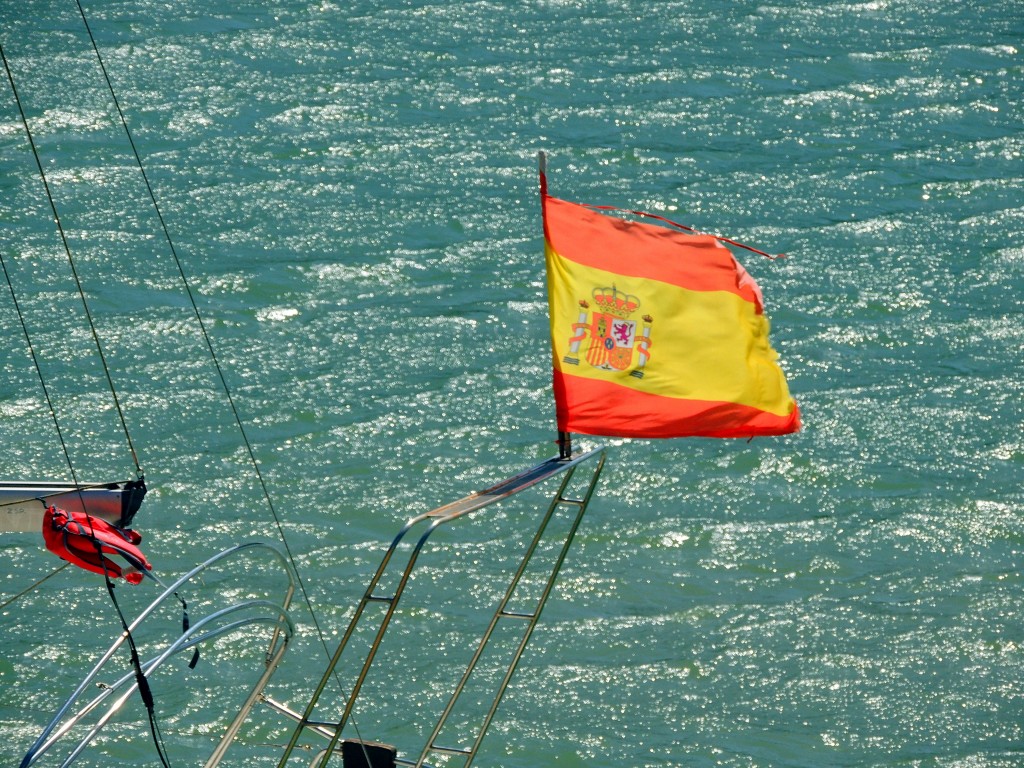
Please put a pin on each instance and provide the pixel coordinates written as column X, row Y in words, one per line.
column 282, row 622
column 434, row 519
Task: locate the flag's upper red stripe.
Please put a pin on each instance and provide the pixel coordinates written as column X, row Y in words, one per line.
column 694, row 262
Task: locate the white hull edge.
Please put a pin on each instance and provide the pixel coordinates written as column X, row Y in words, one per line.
column 22, row 504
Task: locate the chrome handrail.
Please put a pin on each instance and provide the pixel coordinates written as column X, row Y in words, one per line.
column 432, row 521
column 276, row 614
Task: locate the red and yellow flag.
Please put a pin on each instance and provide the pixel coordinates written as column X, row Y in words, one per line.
column 656, row 332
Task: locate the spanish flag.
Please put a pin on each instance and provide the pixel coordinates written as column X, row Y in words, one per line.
column 656, row 332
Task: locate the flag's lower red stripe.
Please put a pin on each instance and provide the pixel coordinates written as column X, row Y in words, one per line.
column 593, row 407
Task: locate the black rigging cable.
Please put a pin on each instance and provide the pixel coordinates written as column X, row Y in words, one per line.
column 204, row 333
column 74, row 270
column 26, row 590
column 31, row 348
column 143, row 684
column 140, row 677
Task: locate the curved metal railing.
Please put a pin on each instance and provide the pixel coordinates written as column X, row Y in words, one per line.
column 224, row 621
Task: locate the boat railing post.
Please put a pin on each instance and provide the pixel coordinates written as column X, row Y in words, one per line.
column 432, row 521
column 502, row 612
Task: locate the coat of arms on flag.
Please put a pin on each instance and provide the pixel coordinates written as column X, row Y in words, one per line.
column 608, row 334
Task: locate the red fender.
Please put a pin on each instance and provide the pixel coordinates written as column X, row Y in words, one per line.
column 81, row 539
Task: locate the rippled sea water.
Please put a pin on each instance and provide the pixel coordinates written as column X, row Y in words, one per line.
column 352, row 190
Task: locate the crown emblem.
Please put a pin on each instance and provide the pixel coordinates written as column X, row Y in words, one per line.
column 615, row 302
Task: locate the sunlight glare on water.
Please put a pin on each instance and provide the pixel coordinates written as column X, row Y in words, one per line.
column 352, row 190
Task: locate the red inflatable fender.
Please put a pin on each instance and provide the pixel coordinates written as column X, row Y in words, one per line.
column 82, row 540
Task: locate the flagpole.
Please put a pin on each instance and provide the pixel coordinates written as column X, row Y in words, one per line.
column 564, row 438
column 565, row 445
